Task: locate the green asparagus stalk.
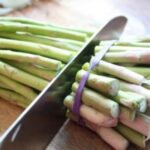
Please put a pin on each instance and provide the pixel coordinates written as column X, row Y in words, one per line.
column 117, row 71
column 18, row 88
column 4, row 86
column 91, row 114
column 131, row 100
column 140, row 124
column 145, row 71
column 137, row 89
column 22, row 77
column 133, row 136
column 42, row 30
column 41, row 40
column 145, row 39
column 106, row 85
column 68, row 41
column 109, row 135
column 35, row 48
column 89, row 32
column 51, row 64
column 97, row 101
column 138, row 57
column 14, row 98
column 123, row 49
column 127, row 114
column 134, row 44
column 35, row 70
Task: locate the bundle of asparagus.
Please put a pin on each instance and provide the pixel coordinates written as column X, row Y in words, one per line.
column 116, row 98
column 32, row 54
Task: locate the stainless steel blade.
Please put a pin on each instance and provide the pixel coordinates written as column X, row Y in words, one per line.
column 39, row 123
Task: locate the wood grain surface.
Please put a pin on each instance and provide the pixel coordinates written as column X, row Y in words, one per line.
column 80, row 13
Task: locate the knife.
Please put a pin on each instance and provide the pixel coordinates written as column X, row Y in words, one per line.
column 35, row 128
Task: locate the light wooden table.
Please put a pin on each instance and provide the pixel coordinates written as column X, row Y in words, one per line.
column 82, row 13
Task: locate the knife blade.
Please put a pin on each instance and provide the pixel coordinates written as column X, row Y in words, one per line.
column 42, row 119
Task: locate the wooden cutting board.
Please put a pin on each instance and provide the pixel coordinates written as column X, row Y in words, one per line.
column 84, row 14
column 8, row 113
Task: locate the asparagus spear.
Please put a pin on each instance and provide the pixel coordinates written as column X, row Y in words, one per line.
column 106, row 85
column 35, row 48
column 137, row 89
column 132, row 135
column 89, row 32
column 123, row 49
column 18, row 88
column 141, row 124
column 4, row 86
column 41, row 40
column 97, row 101
column 41, row 30
column 109, row 135
column 35, row 70
column 14, row 98
column 51, row 64
column 134, row 44
column 131, row 100
column 145, row 39
column 22, row 77
column 117, row 71
column 145, row 71
column 91, row 114
column 68, row 41
column 138, row 57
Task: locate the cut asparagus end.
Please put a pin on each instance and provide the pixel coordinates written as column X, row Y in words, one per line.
column 90, row 114
column 106, row 85
column 97, row 101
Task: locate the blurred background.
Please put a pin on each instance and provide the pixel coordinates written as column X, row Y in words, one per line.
column 83, row 13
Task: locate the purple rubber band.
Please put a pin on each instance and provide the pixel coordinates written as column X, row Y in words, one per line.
column 94, row 61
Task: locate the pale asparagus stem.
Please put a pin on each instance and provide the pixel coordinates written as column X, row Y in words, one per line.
column 22, row 77
column 51, row 64
column 35, row 48
column 97, row 101
column 128, row 44
column 137, row 89
column 35, row 70
column 91, row 114
column 138, row 57
column 145, row 39
column 14, row 98
column 42, row 30
column 134, row 44
column 106, row 85
column 145, row 71
column 123, row 49
column 132, row 135
column 141, row 124
column 4, row 86
column 38, row 39
column 127, row 114
column 18, row 88
column 89, row 32
column 117, row 71
column 109, row 135
column 68, row 41
column 131, row 100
